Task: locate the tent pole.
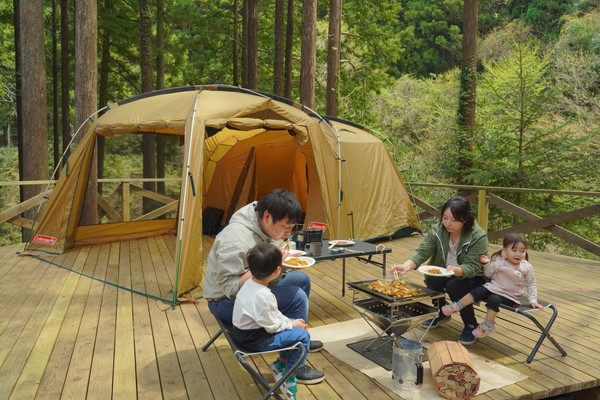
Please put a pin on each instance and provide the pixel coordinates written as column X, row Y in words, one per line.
column 185, row 190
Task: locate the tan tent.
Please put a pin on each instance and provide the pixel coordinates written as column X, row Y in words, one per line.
column 239, row 145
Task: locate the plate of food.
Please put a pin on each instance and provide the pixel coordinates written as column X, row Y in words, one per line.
column 298, row 262
column 434, row 271
column 341, row 242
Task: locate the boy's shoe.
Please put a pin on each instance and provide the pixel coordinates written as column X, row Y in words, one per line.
column 450, row 309
column 315, row 345
column 483, row 330
column 288, row 389
column 466, row 337
column 308, row 376
column 435, row 322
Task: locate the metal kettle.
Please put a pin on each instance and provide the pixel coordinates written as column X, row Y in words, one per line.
column 407, row 364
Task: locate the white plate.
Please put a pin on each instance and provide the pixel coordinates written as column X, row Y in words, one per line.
column 424, row 269
column 341, row 242
column 309, row 260
column 295, row 253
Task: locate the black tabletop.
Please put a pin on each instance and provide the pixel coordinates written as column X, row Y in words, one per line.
column 356, row 250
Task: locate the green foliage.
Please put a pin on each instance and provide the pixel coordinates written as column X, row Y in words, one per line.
column 431, row 36
column 9, row 195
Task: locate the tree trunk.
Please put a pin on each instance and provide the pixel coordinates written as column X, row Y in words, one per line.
column 105, row 44
column 289, row 50
column 55, row 129
column 160, row 84
column 309, row 53
column 252, row 44
column 278, row 57
column 86, row 98
column 245, row 43
column 18, row 97
column 65, row 82
column 333, row 55
column 148, row 140
column 235, row 47
column 35, row 126
column 468, row 81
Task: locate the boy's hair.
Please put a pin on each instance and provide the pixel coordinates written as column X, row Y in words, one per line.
column 263, row 260
column 280, row 204
column 512, row 240
column 461, row 211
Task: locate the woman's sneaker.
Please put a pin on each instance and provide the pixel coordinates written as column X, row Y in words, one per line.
column 435, row 322
column 466, row 337
column 483, row 330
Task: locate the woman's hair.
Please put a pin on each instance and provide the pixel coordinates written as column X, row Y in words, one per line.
column 461, row 211
column 512, row 240
column 263, row 259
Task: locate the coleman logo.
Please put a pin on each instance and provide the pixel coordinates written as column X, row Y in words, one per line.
column 49, row 240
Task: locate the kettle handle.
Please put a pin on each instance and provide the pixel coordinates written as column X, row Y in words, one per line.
column 419, row 373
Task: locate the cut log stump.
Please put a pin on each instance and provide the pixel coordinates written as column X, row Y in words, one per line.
column 454, row 375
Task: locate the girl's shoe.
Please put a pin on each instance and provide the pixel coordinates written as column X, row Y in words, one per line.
column 450, row 309
column 483, row 330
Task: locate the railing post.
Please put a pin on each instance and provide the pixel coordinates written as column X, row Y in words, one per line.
column 483, row 209
column 126, row 198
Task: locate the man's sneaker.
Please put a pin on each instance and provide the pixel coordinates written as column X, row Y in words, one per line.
column 450, row 309
column 315, row 345
column 309, row 376
column 435, row 322
column 466, row 337
column 483, row 330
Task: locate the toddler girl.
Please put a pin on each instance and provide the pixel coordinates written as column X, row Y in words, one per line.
column 510, row 275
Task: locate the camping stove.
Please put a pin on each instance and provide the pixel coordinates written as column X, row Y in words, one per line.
column 393, row 315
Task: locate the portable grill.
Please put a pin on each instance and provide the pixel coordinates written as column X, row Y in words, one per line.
column 393, row 315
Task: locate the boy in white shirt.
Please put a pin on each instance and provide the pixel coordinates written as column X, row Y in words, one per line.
column 258, row 324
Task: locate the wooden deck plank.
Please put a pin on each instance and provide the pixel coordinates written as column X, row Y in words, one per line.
column 101, row 373
column 124, row 376
column 53, row 379
column 146, row 367
column 19, row 338
column 33, row 370
column 172, row 383
column 78, row 374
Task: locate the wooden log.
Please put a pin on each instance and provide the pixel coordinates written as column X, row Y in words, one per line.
column 454, row 375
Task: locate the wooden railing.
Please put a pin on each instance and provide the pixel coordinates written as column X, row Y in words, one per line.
column 483, row 196
column 122, row 195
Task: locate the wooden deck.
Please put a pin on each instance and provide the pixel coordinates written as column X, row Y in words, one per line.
column 64, row 335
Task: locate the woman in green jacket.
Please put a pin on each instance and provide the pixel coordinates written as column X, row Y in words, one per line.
column 456, row 244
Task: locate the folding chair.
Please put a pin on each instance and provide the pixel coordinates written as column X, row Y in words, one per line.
column 241, row 355
column 544, row 331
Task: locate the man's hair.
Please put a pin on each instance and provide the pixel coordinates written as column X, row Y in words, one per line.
column 263, row 259
column 461, row 211
column 280, row 204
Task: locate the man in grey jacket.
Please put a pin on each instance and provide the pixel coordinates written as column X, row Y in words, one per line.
column 269, row 220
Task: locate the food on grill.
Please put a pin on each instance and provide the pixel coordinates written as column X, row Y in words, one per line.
column 296, row 262
column 395, row 288
column 434, row 271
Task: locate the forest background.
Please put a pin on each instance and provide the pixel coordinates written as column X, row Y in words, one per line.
column 537, row 102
